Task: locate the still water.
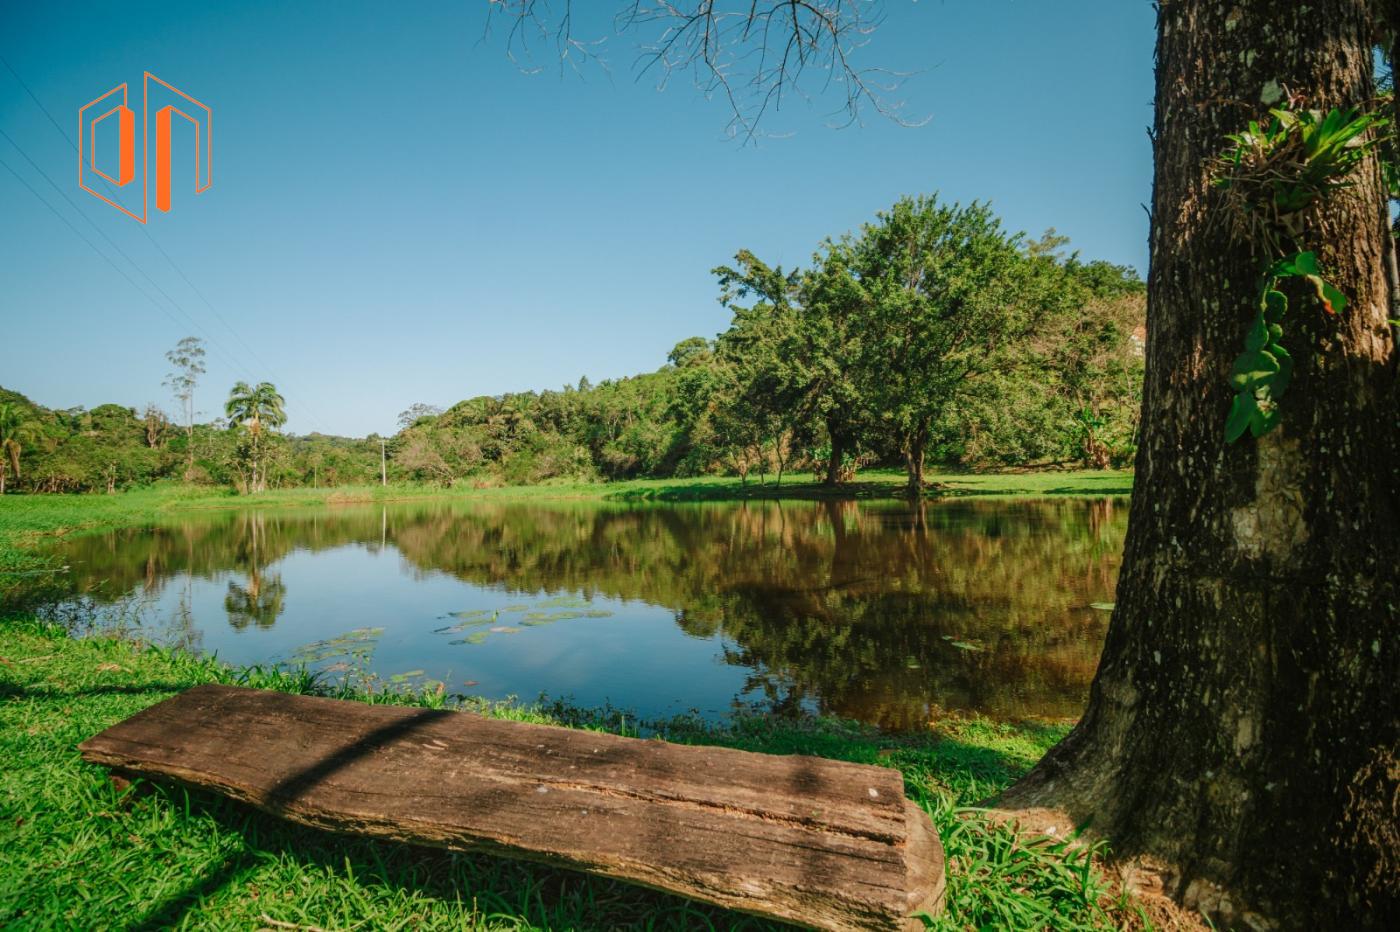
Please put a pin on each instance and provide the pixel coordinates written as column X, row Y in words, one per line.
column 881, row 612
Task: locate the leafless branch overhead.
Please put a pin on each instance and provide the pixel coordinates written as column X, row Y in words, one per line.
column 751, row 53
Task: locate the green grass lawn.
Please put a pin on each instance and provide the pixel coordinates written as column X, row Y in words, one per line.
column 80, row 853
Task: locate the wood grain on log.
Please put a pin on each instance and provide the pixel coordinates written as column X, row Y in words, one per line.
column 812, row 841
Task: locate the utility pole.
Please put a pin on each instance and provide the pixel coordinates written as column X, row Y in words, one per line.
column 383, row 464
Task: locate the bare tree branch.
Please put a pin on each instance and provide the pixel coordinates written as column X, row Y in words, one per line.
column 750, row 53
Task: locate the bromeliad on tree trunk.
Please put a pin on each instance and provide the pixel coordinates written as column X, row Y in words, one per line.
column 1272, row 175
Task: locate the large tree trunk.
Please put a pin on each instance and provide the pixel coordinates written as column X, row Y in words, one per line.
column 1243, row 728
column 914, row 446
column 837, row 438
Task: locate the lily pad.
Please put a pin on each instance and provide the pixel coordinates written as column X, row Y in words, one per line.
column 564, row 601
column 476, row 637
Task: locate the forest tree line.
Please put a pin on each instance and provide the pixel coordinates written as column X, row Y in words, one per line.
column 930, row 334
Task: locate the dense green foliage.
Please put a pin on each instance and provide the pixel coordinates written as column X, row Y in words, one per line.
column 930, row 332
column 78, row 850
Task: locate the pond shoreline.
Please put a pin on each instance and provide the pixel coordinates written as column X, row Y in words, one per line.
column 27, row 520
column 166, row 857
column 872, row 611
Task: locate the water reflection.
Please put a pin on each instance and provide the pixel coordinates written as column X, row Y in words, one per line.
column 871, row 611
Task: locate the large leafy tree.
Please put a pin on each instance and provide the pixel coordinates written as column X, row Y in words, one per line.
column 948, row 292
column 835, row 303
column 769, row 387
column 256, row 409
column 16, row 429
column 795, row 348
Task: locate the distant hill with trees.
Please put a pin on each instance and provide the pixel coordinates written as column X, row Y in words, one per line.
column 929, row 334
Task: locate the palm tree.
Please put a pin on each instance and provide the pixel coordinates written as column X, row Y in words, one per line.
column 259, row 603
column 15, row 430
column 256, row 408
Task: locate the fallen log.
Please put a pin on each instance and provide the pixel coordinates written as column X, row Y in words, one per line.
column 811, row 841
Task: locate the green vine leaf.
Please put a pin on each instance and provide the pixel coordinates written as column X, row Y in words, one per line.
column 1258, row 336
column 1300, row 263
column 1254, row 370
column 1242, row 411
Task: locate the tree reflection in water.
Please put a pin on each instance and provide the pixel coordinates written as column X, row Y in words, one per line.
column 881, row 612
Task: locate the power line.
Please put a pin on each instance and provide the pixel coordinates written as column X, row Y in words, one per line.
column 315, row 421
column 121, row 252
column 79, row 233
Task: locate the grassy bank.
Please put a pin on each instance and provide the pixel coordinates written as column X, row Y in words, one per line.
column 26, row 519
column 80, row 853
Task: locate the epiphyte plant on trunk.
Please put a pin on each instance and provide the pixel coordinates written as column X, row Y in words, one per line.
column 1273, row 173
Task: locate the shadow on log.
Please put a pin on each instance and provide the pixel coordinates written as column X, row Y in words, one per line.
column 816, row 842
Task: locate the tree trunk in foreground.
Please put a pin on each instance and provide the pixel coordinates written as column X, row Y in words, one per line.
column 1242, row 731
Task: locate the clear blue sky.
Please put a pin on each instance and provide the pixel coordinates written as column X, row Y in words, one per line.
column 400, row 214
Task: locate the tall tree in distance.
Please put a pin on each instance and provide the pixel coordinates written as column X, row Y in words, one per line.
column 1243, row 730
column 15, row 431
column 835, row 304
column 947, row 291
column 415, row 413
column 257, row 409
column 188, row 359
column 797, row 347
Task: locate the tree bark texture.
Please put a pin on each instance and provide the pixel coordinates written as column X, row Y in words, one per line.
column 837, row 437
column 1242, row 729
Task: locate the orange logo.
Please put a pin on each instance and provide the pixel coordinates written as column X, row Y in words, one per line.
column 126, row 147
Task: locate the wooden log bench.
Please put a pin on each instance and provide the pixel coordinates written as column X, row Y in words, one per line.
column 802, row 839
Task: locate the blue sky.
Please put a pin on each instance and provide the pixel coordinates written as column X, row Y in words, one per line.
column 401, row 214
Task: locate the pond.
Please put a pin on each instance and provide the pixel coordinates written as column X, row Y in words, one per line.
column 881, row 612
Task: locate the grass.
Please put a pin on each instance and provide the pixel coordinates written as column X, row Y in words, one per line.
column 81, row 853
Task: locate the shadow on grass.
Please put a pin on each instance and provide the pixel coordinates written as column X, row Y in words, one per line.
column 1124, row 488
column 13, row 691
column 861, row 491
column 708, row 491
column 168, row 912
